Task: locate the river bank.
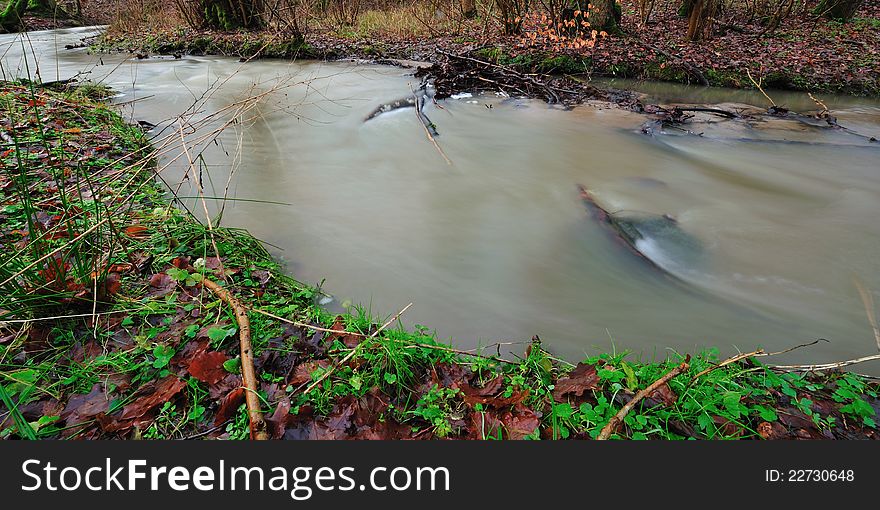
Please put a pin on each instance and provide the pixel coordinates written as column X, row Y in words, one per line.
column 805, row 53
column 112, row 330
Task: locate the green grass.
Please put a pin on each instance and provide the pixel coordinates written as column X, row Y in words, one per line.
column 410, row 383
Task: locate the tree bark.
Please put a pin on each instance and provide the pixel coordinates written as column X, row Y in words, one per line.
column 605, row 15
column 701, row 19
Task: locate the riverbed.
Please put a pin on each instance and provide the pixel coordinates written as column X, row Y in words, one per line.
column 776, row 221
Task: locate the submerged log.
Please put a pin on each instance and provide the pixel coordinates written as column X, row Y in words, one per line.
column 404, row 102
column 630, row 231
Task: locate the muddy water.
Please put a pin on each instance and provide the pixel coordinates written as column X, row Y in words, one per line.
column 776, row 220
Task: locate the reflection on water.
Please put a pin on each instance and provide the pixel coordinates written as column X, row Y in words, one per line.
column 768, row 239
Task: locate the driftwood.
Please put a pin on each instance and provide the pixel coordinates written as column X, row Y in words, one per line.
column 405, row 102
column 617, row 227
column 454, row 73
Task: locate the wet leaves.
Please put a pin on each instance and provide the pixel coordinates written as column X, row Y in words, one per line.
column 208, row 367
column 81, row 408
column 584, row 377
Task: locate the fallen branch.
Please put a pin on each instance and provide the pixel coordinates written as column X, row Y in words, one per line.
column 824, row 366
column 612, row 425
column 248, row 375
column 761, row 89
column 456, row 351
column 716, row 111
column 425, row 124
column 305, row 325
column 351, row 354
column 728, row 361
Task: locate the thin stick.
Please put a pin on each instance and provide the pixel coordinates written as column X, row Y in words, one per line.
column 824, row 366
column 758, row 86
column 309, row 326
column 608, row 429
column 53, row 252
column 728, row 361
column 818, row 103
column 455, row 351
column 868, row 302
column 428, row 131
column 351, row 354
column 248, row 374
column 758, row 353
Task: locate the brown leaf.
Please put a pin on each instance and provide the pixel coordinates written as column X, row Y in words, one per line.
column 303, row 372
column 278, row 421
column 492, row 387
column 794, row 418
column 349, row 339
column 208, row 367
column 520, row 422
column 81, row 408
column 161, row 284
column 229, row 405
column 152, row 395
column 112, row 284
column 663, row 395
column 772, row 430
column 582, row 378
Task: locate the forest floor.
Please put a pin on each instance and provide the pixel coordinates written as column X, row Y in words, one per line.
column 805, row 52
column 111, row 327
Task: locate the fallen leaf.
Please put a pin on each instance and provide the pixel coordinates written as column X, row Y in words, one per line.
column 584, row 377
column 208, row 367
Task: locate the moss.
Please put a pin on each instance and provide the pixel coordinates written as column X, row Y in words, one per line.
column 564, row 64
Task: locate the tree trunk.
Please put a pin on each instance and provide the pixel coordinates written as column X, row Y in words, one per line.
column 686, row 7
column 701, row 19
column 10, row 18
column 469, row 8
column 605, row 15
column 842, row 10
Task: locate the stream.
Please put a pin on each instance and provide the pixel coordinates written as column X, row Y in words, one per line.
column 775, row 221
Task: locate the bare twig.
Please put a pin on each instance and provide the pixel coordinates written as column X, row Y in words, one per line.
column 728, row 361
column 824, row 366
column 421, row 118
column 248, row 374
column 306, row 325
column 758, row 86
column 351, row 354
column 615, row 421
column 868, row 302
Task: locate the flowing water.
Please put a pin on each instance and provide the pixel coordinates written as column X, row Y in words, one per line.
column 776, row 220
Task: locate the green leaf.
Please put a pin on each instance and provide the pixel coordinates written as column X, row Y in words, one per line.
column 233, row 365
column 766, row 413
column 563, row 411
column 356, row 382
column 218, row 334
column 704, row 420
column 631, row 381
column 390, row 378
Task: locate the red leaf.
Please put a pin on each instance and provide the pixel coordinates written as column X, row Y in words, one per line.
column 208, row 367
